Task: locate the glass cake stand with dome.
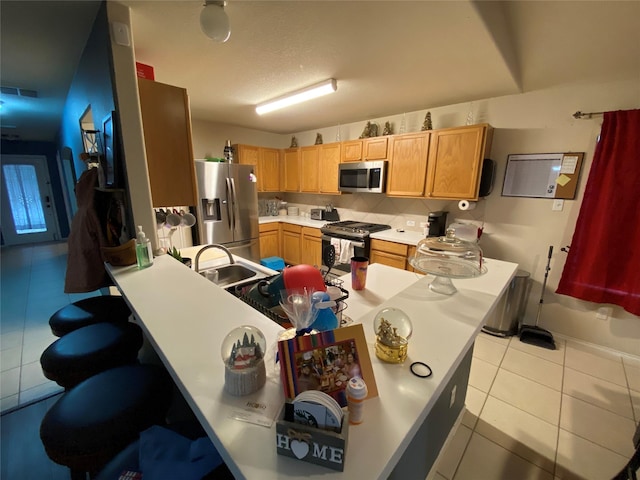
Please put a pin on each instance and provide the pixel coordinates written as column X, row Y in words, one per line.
column 448, row 257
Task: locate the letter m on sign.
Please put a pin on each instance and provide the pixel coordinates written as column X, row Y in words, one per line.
column 319, row 452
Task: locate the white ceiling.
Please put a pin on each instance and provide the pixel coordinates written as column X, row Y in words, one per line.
column 388, row 56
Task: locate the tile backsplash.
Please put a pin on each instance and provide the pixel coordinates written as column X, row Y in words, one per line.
column 378, row 208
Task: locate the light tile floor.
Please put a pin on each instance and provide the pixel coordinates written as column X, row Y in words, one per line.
column 32, row 289
column 532, row 413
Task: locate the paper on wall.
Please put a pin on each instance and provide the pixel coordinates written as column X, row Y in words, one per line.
column 569, row 164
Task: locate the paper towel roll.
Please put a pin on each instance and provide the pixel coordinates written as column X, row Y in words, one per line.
column 466, row 205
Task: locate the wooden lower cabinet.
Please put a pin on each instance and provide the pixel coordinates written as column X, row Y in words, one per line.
column 311, row 253
column 270, row 234
column 389, row 253
column 291, row 243
column 410, row 253
column 297, row 244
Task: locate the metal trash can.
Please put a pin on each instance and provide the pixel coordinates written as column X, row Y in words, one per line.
column 509, row 312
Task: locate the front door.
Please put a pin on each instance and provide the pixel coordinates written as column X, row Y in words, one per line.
column 28, row 211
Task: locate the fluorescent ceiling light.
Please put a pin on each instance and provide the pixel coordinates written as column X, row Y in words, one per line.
column 318, row 90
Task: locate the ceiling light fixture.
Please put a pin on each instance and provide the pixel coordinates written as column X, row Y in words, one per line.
column 214, row 21
column 314, row 91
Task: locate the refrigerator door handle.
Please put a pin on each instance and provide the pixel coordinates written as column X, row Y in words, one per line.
column 230, row 204
column 234, row 206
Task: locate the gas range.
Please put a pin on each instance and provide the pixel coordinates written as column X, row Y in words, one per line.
column 352, row 229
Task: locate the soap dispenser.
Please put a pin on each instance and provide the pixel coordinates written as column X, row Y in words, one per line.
column 144, row 254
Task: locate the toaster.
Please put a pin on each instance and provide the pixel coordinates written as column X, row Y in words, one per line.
column 317, row 213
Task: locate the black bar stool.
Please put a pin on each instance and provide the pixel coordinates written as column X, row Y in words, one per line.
column 100, row 416
column 90, row 350
column 105, row 308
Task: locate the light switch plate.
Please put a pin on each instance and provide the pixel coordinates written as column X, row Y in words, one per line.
column 558, row 205
column 603, row 313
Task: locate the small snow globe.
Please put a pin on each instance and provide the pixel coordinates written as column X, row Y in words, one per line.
column 448, row 257
column 393, row 329
column 243, row 352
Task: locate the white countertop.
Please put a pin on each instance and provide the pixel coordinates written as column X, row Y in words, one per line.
column 293, row 219
column 186, row 319
column 393, row 235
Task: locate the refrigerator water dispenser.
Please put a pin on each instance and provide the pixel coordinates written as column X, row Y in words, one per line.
column 211, row 209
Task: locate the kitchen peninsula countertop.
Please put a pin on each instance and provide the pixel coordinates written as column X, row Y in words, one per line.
column 186, row 319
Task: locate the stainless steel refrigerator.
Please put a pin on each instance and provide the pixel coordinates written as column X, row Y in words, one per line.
column 228, row 207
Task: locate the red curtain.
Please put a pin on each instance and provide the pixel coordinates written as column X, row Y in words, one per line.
column 603, row 264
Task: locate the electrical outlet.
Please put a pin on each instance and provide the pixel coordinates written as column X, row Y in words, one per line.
column 558, row 205
column 411, row 223
column 603, row 313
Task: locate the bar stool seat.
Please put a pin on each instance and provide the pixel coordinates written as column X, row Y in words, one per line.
column 90, row 350
column 100, row 416
column 104, row 308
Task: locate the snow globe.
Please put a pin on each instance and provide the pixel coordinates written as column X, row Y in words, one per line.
column 393, row 329
column 243, row 355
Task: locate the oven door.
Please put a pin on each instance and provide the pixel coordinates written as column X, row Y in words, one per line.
column 344, row 250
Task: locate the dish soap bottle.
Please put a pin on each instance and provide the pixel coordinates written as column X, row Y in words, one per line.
column 144, row 253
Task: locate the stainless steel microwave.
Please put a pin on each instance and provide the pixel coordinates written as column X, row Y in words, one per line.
column 362, row 177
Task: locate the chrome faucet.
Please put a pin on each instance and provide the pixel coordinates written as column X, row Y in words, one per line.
column 207, row 247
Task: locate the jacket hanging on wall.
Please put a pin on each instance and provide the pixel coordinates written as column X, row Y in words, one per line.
column 85, row 267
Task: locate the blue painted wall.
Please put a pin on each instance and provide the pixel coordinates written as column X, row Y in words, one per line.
column 91, row 86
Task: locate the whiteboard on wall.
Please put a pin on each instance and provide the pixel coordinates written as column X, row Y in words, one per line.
column 542, row 175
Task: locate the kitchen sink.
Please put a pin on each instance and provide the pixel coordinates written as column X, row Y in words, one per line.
column 228, row 274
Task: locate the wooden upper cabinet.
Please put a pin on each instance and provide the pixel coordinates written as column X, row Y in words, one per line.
column 309, row 169
column 455, row 161
column 329, row 164
column 167, row 136
column 291, row 170
column 407, row 167
column 374, row 148
column 247, row 154
column 269, row 170
column 266, row 162
column 351, row 151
